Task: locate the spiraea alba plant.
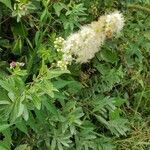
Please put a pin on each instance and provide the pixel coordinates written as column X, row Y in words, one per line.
column 87, row 41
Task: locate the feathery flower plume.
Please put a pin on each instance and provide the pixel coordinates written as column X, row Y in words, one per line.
column 87, row 41
column 114, row 23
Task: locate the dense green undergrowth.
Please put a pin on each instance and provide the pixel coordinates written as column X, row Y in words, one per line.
column 100, row 105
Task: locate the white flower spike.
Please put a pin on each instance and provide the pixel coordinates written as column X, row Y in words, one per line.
column 87, row 41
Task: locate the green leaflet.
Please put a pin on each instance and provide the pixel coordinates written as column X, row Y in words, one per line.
column 7, row 3
column 4, row 127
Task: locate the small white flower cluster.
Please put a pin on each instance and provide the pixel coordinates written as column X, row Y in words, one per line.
column 58, row 43
column 114, row 23
column 66, row 55
column 87, row 41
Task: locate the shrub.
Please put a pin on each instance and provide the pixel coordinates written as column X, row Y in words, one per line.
column 56, row 98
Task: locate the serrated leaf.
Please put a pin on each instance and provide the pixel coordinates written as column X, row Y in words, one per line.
column 36, row 101
column 102, row 120
column 118, row 126
column 48, row 88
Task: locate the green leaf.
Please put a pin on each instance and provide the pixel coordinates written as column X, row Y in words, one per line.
column 48, row 88
column 29, row 42
column 17, row 49
column 75, row 87
column 102, row 120
column 11, row 95
column 55, row 73
column 37, row 37
column 25, row 113
column 109, row 56
column 5, row 85
column 59, row 146
column 22, row 126
column 4, row 43
column 18, row 109
column 19, row 30
column 32, row 122
column 7, row 141
column 3, row 148
column 105, row 143
column 147, row 35
column 36, row 100
column 53, row 144
column 50, row 106
column 61, row 83
column 69, row 106
column 58, row 7
column 44, row 15
column 7, row 3
column 23, row 147
column 4, row 102
column 118, row 126
column 4, row 127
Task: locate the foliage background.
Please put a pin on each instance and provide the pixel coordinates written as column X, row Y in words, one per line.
column 101, row 105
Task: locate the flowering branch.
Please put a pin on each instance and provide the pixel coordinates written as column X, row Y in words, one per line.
column 87, row 41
